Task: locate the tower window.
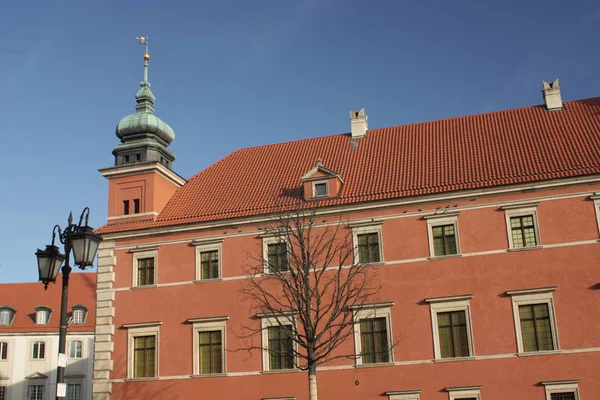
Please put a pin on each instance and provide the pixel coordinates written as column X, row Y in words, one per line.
column 125, row 159
column 125, row 207
column 138, row 157
column 136, row 206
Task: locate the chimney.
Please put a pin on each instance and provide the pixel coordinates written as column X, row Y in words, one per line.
column 551, row 94
column 359, row 123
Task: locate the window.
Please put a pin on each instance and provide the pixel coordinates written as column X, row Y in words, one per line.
column 75, row 349
column 125, row 159
column 42, row 315
column 535, row 323
column 35, row 392
column 7, row 315
column 37, row 351
column 2, row 392
column 138, row 156
column 125, row 207
column 366, row 238
column 275, row 255
column 79, row 314
column 209, row 345
column 562, row 390
column 320, row 189
column 522, row 227
column 451, row 323
column 136, row 206
column 145, row 262
column 372, row 333
column 443, row 235
column 3, row 350
column 464, row 393
column 73, row 392
column 143, row 344
column 404, row 394
column 208, row 258
column 279, row 347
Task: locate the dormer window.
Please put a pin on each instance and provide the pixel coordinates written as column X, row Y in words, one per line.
column 79, row 314
column 320, row 189
column 42, row 315
column 7, row 315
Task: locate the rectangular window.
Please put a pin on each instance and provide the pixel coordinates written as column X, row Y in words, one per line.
column 562, row 396
column 444, row 240
column 138, row 157
column 454, row 338
column 277, row 257
column 374, row 343
column 75, row 348
column 210, row 349
column 281, row 354
column 5, row 317
column 38, row 349
column 2, row 392
column 73, row 392
column 35, row 392
column 209, row 264
column 125, row 159
column 368, row 247
column 523, row 231
column 145, row 271
column 41, row 317
column 136, row 206
column 320, row 189
column 3, row 350
column 144, row 352
column 125, row 207
column 535, row 327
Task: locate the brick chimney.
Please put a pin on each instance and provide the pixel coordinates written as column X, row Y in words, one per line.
column 551, row 95
column 359, row 123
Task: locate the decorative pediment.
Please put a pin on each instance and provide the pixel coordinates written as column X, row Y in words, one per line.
column 319, row 172
column 321, row 182
column 37, row 375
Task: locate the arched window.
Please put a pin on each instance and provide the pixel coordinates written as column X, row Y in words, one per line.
column 6, row 315
column 42, row 315
column 79, row 314
column 75, row 349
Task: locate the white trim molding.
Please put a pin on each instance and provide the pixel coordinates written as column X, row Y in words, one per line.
column 522, row 210
column 273, row 239
column 314, row 188
column 523, row 297
column 366, row 227
column 562, row 386
column 208, row 325
column 205, row 246
column 371, row 311
column 440, row 220
column 450, row 304
column 142, row 329
column 464, row 392
column 143, row 253
column 269, row 320
column 410, row 394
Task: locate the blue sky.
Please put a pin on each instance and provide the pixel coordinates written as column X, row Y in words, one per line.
column 233, row 73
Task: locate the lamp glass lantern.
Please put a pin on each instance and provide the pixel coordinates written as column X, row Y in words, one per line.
column 49, row 263
column 84, row 243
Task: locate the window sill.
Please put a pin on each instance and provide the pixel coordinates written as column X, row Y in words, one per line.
column 150, row 378
column 143, row 287
column 207, row 280
column 526, row 248
column 539, row 353
column 375, row 365
column 280, row 371
column 374, row 264
column 444, row 257
column 451, row 359
column 220, row 374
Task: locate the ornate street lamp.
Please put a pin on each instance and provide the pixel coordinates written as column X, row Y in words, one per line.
column 82, row 240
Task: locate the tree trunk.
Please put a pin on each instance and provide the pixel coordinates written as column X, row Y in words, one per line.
column 312, row 383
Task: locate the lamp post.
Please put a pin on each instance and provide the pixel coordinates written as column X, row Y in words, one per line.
column 83, row 242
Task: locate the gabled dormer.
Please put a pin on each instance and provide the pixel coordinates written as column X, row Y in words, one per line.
column 321, row 183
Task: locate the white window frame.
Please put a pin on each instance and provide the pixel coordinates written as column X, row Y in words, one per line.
column 566, row 386
column 449, row 304
column 205, row 246
column 39, row 311
column 139, row 254
column 4, row 345
column 314, row 188
column 137, row 330
column 412, row 394
column 464, row 392
column 596, row 198
column 522, row 210
column 82, row 309
column 369, row 311
column 273, row 239
column 270, row 320
column 31, row 355
column 78, row 383
column 436, row 220
column 29, row 387
column 208, row 325
column 534, row 296
column 11, row 314
column 69, row 349
column 3, row 392
column 361, row 228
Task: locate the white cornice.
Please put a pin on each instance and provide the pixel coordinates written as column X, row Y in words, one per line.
column 206, row 319
column 137, row 169
column 142, row 324
column 531, row 291
column 448, row 298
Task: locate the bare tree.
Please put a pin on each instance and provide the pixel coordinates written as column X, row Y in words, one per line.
column 306, row 286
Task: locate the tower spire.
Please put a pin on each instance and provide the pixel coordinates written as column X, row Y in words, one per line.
column 144, row 97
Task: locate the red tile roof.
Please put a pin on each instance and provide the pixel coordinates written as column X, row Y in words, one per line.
column 500, row 148
column 25, row 297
